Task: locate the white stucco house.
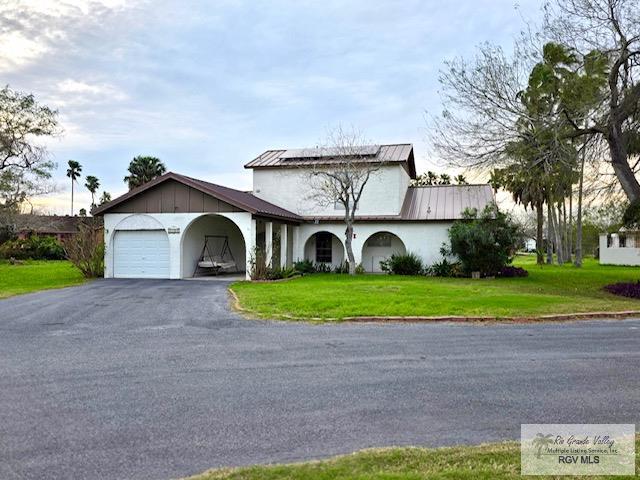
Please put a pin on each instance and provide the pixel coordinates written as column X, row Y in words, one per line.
column 169, row 226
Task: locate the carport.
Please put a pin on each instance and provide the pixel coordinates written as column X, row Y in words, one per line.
column 169, row 226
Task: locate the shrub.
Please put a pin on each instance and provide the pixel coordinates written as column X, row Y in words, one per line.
column 509, row 271
column 359, row 269
column 322, row 268
column 278, row 273
column 85, row 250
column 445, row 268
column 33, row 247
column 304, row 266
column 484, row 242
column 407, row 264
column 625, row 289
column 342, row 268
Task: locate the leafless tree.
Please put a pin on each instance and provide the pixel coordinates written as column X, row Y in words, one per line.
column 337, row 173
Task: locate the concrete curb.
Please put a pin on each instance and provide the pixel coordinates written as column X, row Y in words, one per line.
column 567, row 317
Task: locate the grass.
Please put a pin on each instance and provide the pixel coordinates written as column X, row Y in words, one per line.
column 549, row 289
column 33, row 275
column 500, row 461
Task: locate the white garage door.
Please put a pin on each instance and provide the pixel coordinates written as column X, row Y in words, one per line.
column 141, row 254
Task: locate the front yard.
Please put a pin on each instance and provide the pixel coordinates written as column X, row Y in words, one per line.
column 33, row 275
column 499, row 461
column 549, row 289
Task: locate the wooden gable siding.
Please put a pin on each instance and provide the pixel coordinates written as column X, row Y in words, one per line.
column 173, row 197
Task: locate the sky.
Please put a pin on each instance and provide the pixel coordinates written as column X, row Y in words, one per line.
column 206, row 86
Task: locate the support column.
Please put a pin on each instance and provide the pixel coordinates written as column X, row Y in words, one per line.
column 268, row 242
column 284, row 245
column 250, row 247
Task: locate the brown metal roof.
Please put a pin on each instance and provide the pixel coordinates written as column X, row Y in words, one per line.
column 243, row 200
column 444, row 202
column 396, row 153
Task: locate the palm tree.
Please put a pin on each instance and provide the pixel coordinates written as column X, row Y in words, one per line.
column 92, row 183
column 73, row 172
column 143, row 169
column 105, row 197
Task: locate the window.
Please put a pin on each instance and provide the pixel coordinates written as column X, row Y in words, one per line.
column 379, row 240
column 323, row 247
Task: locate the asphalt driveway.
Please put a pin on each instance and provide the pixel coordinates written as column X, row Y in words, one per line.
column 158, row 379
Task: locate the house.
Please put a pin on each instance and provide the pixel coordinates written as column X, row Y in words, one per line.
column 58, row 226
column 167, row 227
column 622, row 248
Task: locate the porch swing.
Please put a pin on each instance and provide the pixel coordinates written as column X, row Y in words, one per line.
column 213, row 259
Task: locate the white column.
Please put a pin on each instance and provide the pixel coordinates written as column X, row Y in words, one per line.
column 284, row 244
column 268, row 242
column 250, row 247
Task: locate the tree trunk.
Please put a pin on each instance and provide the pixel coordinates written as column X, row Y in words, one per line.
column 539, row 234
column 565, row 232
column 558, row 238
column 570, row 239
column 578, row 260
column 549, row 233
column 620, row 163
column 348, row 237
column 72, row 197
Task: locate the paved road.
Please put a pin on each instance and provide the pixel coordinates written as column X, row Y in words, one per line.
column 157, row 379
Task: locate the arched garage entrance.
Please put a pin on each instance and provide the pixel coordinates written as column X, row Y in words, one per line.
column 325, row 248
column 378, row 247
column 221, row 228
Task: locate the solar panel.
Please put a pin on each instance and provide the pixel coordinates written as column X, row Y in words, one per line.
column 323, row 152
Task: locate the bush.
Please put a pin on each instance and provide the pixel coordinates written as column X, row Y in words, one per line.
column 342, row 268
column 322, row 268
column 304, row 266
column 33, row 247
column 261, row 271
column 407, row 264
column 510, row 271
column 484, row 242
column 445, row 268
column 625, row 289
column 85, row 250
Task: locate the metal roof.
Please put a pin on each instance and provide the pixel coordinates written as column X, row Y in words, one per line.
column 400, row 153
column 444, row 202
column 243, row 200
column 430, row 203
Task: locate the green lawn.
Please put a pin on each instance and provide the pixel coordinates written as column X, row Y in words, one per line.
column 35, row 275
column 497, row 461
column 548, row 289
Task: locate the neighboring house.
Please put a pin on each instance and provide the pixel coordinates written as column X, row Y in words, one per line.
column 622, row 248
column 158, row 230
column 60, row 227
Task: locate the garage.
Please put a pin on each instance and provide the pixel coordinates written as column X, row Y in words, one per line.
column 141, row 254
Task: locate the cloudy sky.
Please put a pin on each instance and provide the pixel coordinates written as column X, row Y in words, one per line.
column 208, row 85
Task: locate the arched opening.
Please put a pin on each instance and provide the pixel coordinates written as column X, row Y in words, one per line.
column 379, row 247
column 219, row 229
column 325, row 248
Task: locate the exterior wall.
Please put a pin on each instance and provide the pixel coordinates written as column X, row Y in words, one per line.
column 290, row 188
column 616, row 255
column 422, row 238
column 170, row 222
